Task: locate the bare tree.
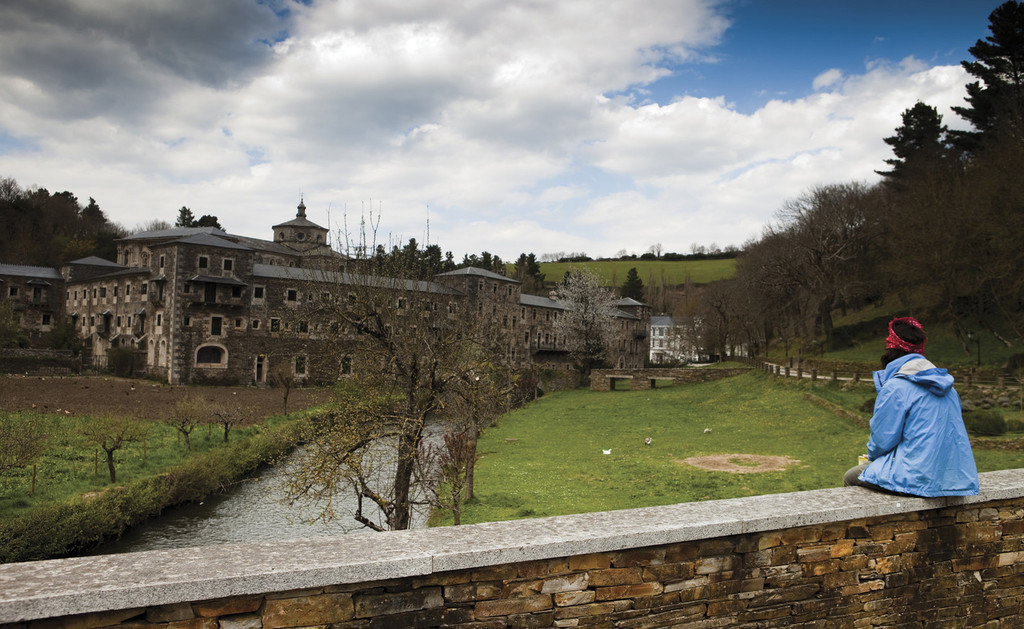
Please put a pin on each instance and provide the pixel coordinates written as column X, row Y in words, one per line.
column 407, row 344
column 113, row 433
column 188, row 413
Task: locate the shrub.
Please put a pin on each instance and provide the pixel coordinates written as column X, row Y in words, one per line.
column 121, row 361
column 985, row 423
column 1015, row 425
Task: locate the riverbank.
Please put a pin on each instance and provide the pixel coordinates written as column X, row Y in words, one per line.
column 69, row 527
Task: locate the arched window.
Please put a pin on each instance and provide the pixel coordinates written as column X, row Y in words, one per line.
column 210, row 355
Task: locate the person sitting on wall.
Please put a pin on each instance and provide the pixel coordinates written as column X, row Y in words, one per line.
column 918, row 444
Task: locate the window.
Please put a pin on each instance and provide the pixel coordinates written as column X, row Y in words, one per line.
column 300, row 365
column 127, row 289
column 215, row 326
column 159, row 318
column 255, row 324
column 37, row 295
column 188, row 322
column 188, row 288
column 161, row 262
column 228, row 264
column 115, row 291
column 210, row 355
column 46, row 319
column 401, row 303
column 103, row 291
column 238, row 323
column 210, row 294
column 204, row 262
column 257, row 292
column 118, row 322
column 293, row 295
column 303, row 326
column 145, row 288
column 236, row 291
column 275, row 325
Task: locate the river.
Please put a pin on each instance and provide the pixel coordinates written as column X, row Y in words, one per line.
column 251, row 512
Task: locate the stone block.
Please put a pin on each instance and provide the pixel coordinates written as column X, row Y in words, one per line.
column 537, row 569
column 397, row 602
column 568, row 583
column 170, row 613
column 594, row 561
column 628, row 591
column 583, row 597
column 228, row 606
column 510, row 606
column 308, row 610
column 635, row 558
column 531, row 621
column 585, row 611
column 708, row 565
column 521, row 588
column 241, row 621
column 422, row 619
column 841, row 548
column 615, row 576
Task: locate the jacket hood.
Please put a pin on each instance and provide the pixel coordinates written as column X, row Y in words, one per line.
column 919, row 370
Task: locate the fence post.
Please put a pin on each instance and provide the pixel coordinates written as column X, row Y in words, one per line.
column 814, row 375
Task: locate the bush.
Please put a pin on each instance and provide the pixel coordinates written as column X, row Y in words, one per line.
column 985, row 423
column 121, row 361
column 1015, row 425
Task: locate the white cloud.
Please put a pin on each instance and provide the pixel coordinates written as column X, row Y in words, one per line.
column 499, row 116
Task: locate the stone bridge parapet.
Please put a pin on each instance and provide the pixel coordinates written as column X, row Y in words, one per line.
column 844, row 557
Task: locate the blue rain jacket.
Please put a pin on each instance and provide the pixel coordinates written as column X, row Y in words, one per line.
column 918, row 442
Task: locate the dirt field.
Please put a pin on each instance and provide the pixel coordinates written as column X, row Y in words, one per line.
column 96, row 395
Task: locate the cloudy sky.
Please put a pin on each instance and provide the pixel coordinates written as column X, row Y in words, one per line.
column 505, row 125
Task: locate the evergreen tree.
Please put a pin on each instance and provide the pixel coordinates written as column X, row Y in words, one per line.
column 185, row 218
column 919, row 143
column 996, row 99
column 633, row 287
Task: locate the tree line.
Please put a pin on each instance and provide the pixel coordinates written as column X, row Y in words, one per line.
column 941, row 232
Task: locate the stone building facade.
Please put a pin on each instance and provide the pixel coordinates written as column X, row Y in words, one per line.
column 202, row 305
column 35, row 294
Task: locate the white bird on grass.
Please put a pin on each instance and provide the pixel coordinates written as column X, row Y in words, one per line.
column 608, row 451
column 707, row 430
column 647, row 441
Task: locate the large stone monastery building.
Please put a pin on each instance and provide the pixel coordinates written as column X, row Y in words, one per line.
column 202, row 305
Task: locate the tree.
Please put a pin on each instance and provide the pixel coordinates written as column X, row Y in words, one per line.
column 527, row 270
column 64, row 335
column 11, row 332
column 23, row 437
column 230, row 416
column 208, row 220
column 188, row 413
column 996, row 99
column 587, row 323
column 633, row 287
column 112, row 434
column 410, row 346
column 185, row 218
column 919, row 143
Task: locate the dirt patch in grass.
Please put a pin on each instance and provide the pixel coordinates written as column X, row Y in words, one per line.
column 740, row 463
column 144, row 399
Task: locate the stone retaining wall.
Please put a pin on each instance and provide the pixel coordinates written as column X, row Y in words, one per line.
column 39, row 361
column 827, row 558
column 642, row 379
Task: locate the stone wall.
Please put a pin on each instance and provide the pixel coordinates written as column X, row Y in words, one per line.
column 39, row 361
column 642, row 379
column 843, row 557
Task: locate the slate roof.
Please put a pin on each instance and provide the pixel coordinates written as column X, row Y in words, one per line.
column 22, row 270
column 472, row 270
column 336, row 277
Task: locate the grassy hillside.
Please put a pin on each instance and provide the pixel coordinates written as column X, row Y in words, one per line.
column 652, row 272
column 547, row 458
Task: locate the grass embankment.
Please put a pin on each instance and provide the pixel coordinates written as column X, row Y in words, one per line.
column 656, row 272
column 547, row 458
column 76, row 507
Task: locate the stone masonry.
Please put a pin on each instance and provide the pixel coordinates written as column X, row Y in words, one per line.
column 840, row 558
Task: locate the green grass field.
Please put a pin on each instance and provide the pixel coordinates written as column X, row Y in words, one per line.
column 651, row 272
column 547, row 458
column 73, row 466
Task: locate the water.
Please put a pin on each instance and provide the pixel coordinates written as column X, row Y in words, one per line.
column 253, row 511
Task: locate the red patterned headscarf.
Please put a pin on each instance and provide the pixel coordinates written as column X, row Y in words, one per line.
column 895, row 342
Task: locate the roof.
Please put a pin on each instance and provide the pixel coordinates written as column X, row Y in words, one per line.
column 95, row 261
column 176, row 232
column 629, row 301
column 300, row 221
column 211, row 240
column 472, row 270
column 541, row 302
column 664, row 321
column 211, row 279
column 22, row 270
column 297, row 274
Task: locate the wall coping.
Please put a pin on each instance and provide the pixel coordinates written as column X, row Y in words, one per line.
column 63, row 587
